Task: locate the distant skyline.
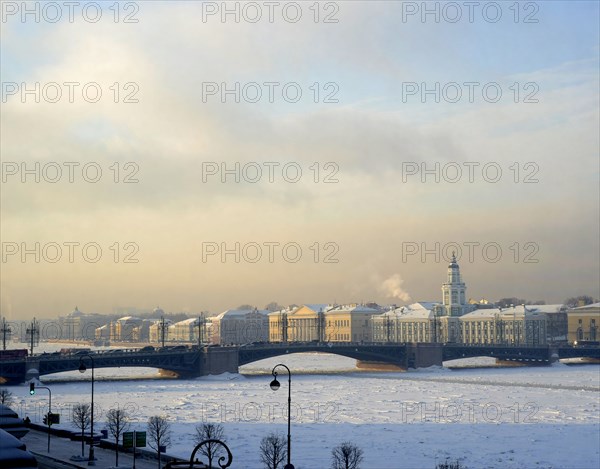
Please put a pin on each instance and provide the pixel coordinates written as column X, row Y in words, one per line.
column 368, row 209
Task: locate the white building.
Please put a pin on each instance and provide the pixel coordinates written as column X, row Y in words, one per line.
column 156, row 330
column 414, row 323
column 517, row 325
column 189, row 330
column 240, row 326
column 427, row 321
column 127, row 329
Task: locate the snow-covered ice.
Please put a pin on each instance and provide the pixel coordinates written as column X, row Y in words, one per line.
column 543, row 417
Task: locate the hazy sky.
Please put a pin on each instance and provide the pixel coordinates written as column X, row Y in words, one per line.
column 361, row 133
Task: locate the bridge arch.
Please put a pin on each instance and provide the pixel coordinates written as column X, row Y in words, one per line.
column 392, row 354
column 184, row 363
column 531, row 355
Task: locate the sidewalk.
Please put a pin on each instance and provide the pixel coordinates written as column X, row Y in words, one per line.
column 63, row 448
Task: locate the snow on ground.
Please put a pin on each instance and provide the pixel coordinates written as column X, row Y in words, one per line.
column 543, row 417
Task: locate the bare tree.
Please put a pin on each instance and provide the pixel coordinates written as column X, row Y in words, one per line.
column 346, row 456
column 159, row 434
column 81, row 417
column 273, row 450
column 117, row 421
column 506, row 302
column 273, row 306
column 210, row 431
column 6, row 397
column 581, row 300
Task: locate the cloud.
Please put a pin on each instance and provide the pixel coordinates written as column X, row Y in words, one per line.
column 368, row 135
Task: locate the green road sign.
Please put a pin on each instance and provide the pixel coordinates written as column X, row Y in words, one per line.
column 140, row 439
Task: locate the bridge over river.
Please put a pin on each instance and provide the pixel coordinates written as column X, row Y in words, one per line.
column 187, row 362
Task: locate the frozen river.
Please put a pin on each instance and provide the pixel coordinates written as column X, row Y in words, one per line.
column 547, row 417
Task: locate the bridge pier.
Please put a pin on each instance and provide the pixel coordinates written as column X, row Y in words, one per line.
column 423, row 355
column 209, row 361
column 221, row 360
column 217, row 360
column 32, row 370
column 553, row 354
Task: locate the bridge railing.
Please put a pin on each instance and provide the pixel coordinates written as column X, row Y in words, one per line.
column 111, row 352
column 316, row 344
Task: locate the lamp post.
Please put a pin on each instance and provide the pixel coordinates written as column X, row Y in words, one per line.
column 162, row 330
column 33, row 334
column 82, row 369
column 275, row 386
column 48, row 421
column 6, row 331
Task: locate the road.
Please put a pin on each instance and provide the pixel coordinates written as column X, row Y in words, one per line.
column 61, row 449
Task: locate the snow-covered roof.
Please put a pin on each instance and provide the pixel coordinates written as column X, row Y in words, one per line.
column 187, row 322
column 282, row 311
column 317, row 307
column 487, row 313
column 352, row 308
column 417, row 314
column 128, row 318
column 593, row 305
column 157, row 322
column 546, row 308
column 230, row 313
column 422, row 310
column 421, row 307
column 314, row 307
column 505, row 313
column 425, row 305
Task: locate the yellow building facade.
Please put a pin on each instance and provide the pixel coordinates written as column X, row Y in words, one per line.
column 583, row 323
column 349, row 323
column 322, row 323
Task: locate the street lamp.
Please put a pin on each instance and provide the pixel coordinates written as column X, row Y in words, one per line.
column 275, row 386
column 48, row 420
column 82, row 368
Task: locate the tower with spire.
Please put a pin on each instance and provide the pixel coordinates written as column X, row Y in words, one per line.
column 454, row 291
